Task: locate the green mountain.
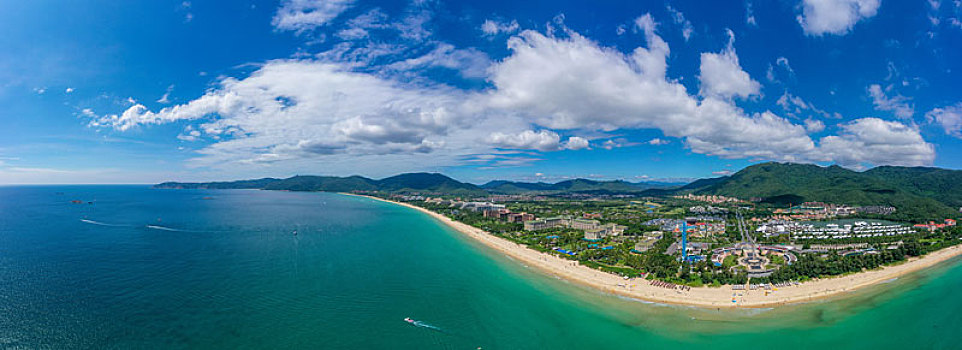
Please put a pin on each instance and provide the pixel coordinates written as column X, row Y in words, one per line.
column 917, row 193
column 415, row 182
column 430, row 182
column 574, row 186
column 942, row 185
column 242, row 184
column 324, row 183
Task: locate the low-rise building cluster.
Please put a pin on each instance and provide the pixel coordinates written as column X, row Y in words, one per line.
column 594, row 230
column 697, row 227
column 647, row 241
column 860, row 229
column 698, row 209
column 821, row 211
column 710, row 199
column 932, row 226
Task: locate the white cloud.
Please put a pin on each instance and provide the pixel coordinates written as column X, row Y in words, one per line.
column 303, row 15
column 814, row 125
column 290, row 113
column 749, row 15
column 896, row 104
column 796, row 107
column 781, row 61
column 679, row 18
column 576, row 143
column 352, row 34
column 165, row 99
column 494, row 27
column 471, row 62
column 568, row 83
column 68, row 90
column 616, row 143
column 876, row 141
column 543, row 140
column 42, row 175
column 658, row 142
column 837, row 17
column 949, row 117
column 722, row 76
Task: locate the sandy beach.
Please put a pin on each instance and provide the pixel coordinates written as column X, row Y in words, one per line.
column 702, row 297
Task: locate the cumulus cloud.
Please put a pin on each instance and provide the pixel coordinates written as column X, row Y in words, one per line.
column 814, row 125
column 285, row 108
column 820, row 17
column 576, row 143
column 303, row 15
column 658, row 142
column 494, row 27
column 297, row 111
column 722, row 76
column 897, row 104
column 543, row 140
column 876, row 141
column 949, row 117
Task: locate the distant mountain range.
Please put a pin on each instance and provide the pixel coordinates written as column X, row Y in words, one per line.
column 413, row 182
column 575, row 186
column 916, row 191
column 428, row 182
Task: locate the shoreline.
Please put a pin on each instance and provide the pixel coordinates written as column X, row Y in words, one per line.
column 705, row 297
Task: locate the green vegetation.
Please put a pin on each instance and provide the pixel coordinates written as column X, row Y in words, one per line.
column 574, row 186
column 917, row 193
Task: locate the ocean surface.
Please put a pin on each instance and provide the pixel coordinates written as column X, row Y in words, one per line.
column 133, row 267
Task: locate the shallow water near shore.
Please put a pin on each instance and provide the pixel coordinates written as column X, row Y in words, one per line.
column 145, row 268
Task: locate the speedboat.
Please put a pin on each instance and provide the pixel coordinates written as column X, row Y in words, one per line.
column 409, row 320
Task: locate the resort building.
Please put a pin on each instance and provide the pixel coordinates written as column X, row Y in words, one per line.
column 481, row 206
column 496, row 213
column 874, row 209
column 602, row 231
column 932, row 226
column 645, row 244
column 518, row 217
column 860, row 229
column 546, row 223
column 582, row 224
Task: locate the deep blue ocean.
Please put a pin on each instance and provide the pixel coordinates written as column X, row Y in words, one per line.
column 133, row 267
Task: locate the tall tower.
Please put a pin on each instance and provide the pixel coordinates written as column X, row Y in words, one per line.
column 684, row 241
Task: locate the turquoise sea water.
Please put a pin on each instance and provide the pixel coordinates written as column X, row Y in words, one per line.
column 170, row 269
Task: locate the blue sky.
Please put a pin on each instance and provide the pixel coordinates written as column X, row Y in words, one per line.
column 141, row 92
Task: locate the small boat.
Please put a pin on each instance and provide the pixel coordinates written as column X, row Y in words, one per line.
column 409, row 320
column 295, row 232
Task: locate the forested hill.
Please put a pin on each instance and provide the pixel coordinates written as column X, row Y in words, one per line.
column 431, row 183
column 914, row 191
column 575, row 186
column 413, row 182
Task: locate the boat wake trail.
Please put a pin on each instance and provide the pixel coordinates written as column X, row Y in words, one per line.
column 101, row 223
column 422, row 324
column 162, row 228
column 425, row 325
